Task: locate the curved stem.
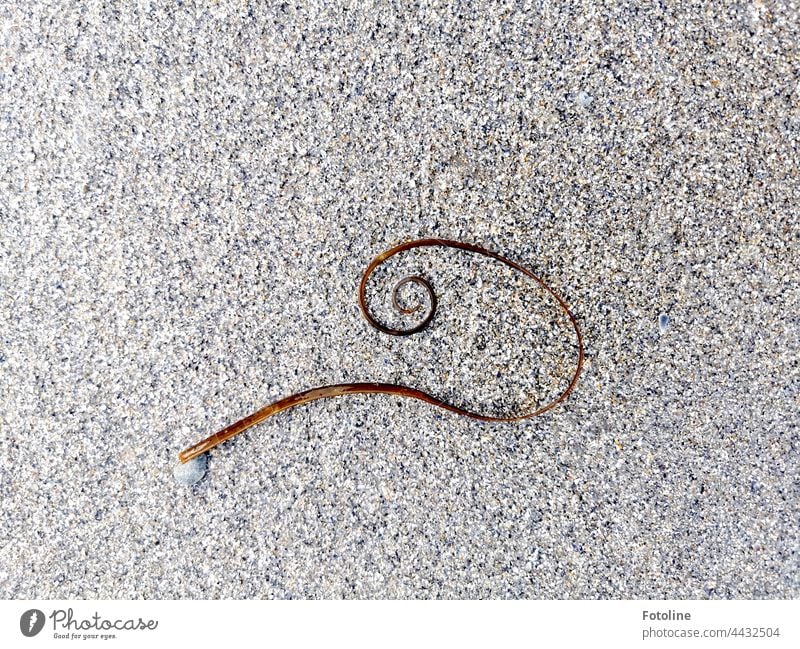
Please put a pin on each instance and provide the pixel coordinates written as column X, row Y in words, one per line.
column 390, row 388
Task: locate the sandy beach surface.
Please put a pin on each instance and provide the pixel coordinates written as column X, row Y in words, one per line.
column 189, row 194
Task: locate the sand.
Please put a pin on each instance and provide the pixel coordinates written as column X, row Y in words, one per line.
column 188, row 198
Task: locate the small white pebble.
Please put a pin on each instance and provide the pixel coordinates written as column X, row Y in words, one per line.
column 192, row 471
column 584, row 99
